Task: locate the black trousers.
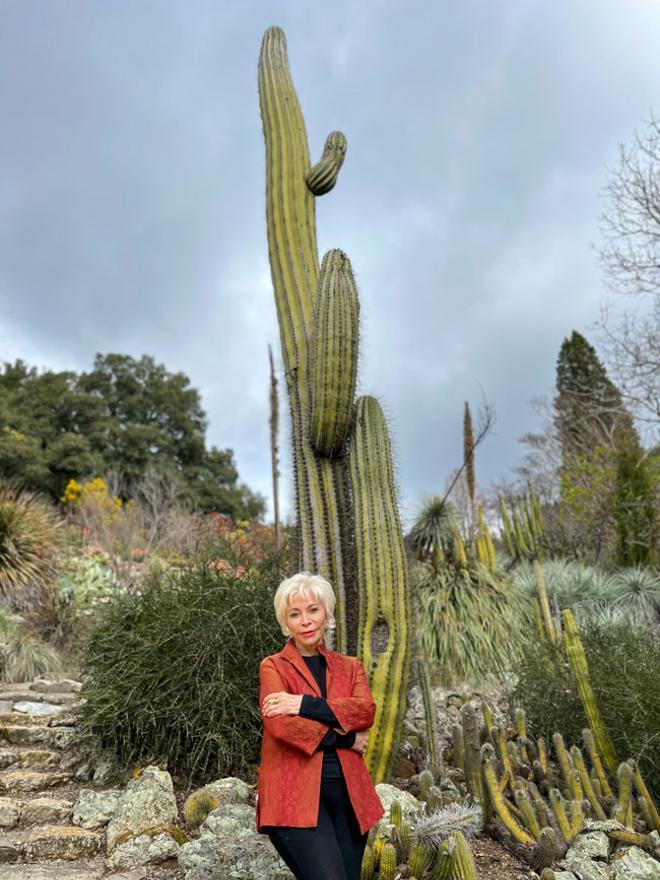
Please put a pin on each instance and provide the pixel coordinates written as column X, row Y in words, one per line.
column 331, row 851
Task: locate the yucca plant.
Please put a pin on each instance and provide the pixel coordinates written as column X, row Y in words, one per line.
column 471, row 619
column 28, row 546
column 432, row 534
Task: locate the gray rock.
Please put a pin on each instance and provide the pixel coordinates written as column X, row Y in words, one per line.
column 591, row 845
column 230, row 790
column 147, row 802
column 410, row 806
column 7, row 758
column 585, row 868
column 135, row 874
column 635, row 864
column 564, row 875
column 9, row 852
column 143, row 849
column 94, row 809
column 230, row 821
column 104, row 770
column 10, row 810
column 252, row 857
column 30, row 708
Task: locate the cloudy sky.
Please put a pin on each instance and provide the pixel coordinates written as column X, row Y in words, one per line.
column 132, row 183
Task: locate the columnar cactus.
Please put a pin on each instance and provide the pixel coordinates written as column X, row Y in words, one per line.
column 347, row 514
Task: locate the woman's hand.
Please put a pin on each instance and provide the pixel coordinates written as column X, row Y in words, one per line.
column 281, row 703
column 361, row 740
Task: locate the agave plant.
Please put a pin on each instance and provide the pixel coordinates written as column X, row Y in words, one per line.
column 471, row 619
column 28, row 546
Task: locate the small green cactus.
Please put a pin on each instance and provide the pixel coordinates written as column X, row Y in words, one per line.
column 395, row 813
column 387, row 863
column 368, row 867
column 426, row 780
column 418, row 859
column 463, row 861
column 403, row 840
column 198, row 806
column 471, row 752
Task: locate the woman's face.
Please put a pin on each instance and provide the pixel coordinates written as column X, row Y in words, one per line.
column 306, row 620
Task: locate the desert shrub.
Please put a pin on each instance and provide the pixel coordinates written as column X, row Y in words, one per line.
column 23, row 655
column 470, row 619
column 28, row 547
column 171, row 674
column 623, row 662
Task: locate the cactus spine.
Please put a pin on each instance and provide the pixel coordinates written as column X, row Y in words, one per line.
column 317, row 314
column 419, row 859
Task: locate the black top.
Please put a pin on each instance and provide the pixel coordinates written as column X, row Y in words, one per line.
column 317, row 709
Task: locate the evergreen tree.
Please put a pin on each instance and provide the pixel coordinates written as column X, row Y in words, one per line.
column 124, row 415
column 604, row 474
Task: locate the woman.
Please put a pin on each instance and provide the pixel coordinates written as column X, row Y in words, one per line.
column 316, row 800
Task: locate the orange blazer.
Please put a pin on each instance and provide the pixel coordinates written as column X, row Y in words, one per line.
column 290, row 772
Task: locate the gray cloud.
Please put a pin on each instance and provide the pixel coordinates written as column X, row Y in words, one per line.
column 132, row 196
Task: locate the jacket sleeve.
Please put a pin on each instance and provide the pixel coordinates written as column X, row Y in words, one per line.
column 357, row 711
column 296, row 732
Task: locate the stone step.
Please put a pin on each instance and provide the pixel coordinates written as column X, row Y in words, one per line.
column 39, row 810
column 37, row 734
column 39, row 759
column 44, row 842
column 36, row 697
column 21, row 718
column 20, row 781
column 59, row 685
column 55, row 870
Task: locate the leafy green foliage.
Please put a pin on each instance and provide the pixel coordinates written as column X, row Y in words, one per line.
column 28, row 547
column 172, row 672
column 634, row 509
column 623, row 662
column 122, row 416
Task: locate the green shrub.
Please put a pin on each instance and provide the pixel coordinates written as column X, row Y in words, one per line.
column 28, row 547
column 623, row 663
column 23, row 655
column 172, row 673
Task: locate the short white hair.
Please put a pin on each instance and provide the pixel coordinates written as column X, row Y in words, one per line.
column 304, row 584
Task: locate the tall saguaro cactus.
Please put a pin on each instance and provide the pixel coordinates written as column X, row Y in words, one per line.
column 347, row 514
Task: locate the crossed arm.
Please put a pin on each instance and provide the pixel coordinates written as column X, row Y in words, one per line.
column 353, row 713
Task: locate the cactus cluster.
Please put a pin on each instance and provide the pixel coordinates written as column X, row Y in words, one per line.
column 435, row 848
column 348, row 519
column 542, row 798
column 522, row 527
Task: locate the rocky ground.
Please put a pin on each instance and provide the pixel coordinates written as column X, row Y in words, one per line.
column 56, row 824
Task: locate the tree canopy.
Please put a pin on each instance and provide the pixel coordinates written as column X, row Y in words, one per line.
column 122, row 416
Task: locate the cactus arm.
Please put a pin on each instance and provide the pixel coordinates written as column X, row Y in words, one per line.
column 323, row 176
column 383, row 627
column 585, row 780
column 643, row 792
column 501, row 806
column 334, row 355
column 578, row 663
column 590, row 744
